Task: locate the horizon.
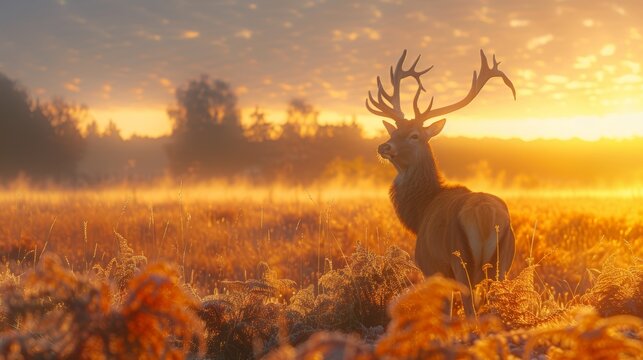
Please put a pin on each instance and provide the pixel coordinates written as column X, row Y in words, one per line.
column 601, row 128
column 580, row 82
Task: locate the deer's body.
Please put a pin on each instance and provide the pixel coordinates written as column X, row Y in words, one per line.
column 445, row 218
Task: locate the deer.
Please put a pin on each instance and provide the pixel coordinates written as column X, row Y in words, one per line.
column 458, row 231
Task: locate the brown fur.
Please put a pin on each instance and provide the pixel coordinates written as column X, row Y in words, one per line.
column 444, row 218
column 448, row 218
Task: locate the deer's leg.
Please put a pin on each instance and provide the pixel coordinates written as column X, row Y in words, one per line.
column 460, row 275
column 507, row 250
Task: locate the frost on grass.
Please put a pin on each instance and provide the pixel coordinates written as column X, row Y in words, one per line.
column 516, row 321
column 376, row 306
column 516, row 302
column 355, row 297
column 55, row 313
column 122, row 267
column 253, row 317
column 617, row 290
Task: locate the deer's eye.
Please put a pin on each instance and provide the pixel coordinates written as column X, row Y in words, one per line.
column 414, row 137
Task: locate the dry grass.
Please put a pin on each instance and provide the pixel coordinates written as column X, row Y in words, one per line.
column 271, row 269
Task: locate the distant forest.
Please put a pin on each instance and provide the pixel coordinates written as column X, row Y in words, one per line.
column 58, row 142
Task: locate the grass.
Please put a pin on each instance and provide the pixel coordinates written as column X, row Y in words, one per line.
column 270, row 268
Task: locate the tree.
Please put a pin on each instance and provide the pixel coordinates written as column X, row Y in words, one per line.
column 207, row 136
column 112, row 131
column 301, row 120
column 91, row 130
column 38, row 140
column 65, row 120
column 259, row 129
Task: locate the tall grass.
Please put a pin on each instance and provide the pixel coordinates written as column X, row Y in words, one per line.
column 253, row 273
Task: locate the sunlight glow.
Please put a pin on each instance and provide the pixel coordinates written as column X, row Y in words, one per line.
column 151, row 121
column 591, row 128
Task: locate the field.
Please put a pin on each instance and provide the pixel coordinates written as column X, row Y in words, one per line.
column 222, row 271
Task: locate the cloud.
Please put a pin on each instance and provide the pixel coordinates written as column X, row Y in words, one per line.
column 367, row 32
column 167, row 84
column 339, row 35
column 589, row 22
column 418, row 16
column 285, row 87
column 334, row 93
column 244, row 34
column 573, row 85
column 106, row 91
column 619, row 10
column 190, row 34
column 376, row 13
column 372, row 33
column 483, row 15
column 460, row 33
column 608, row 50
column 539, row 41
column 138, row 91
column 241, row 90
column 526, row 74
column 629, row 79
column 426, row 39
column 564, row 54
column 584, row 62
column 556, row 79
column 73, row 86
column 514, row 23
column 148, row 36
column 634, row 67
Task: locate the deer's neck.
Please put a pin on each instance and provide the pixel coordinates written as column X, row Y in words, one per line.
column 414, row 188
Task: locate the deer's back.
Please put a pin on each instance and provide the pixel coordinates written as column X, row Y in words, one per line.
column 460, row 220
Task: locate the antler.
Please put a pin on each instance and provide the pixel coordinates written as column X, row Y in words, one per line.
column 478, row 82
column 394, row 111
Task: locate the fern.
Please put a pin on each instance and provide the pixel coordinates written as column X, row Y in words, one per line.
column 420, row 325
column 245, row 320
column 326, row 345
column 590, row 336
column 516, row 301
column 61, row 315
column 267, row 285
column 354, row 298
column 124, row 266
column 617, row 290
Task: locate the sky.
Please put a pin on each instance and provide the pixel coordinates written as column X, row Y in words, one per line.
column 576, row 64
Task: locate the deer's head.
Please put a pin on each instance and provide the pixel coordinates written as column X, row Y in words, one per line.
column 408, row 143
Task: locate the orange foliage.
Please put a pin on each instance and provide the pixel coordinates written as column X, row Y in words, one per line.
column 327, row 262
column 58, row 313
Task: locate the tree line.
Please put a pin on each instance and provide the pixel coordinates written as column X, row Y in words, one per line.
column 58, row 141
column 49, row 140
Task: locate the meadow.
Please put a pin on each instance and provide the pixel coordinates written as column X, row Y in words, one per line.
column 232, row 271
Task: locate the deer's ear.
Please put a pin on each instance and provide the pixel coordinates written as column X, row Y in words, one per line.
column 390, row 128
column 435, row 128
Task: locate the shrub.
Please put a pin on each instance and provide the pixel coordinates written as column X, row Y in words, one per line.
column 58, row 314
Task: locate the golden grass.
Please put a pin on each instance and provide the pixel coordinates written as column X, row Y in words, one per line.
column 274, row 265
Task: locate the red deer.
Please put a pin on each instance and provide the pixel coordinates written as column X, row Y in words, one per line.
column 445, row 218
